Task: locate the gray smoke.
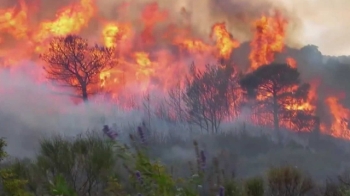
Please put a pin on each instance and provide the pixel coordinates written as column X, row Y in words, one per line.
column 30, row 111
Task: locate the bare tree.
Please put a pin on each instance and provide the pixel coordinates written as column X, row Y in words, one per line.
column 288, row 181
column 176, row 104
column 208, row 96
column 73, row 63
column 147, row 107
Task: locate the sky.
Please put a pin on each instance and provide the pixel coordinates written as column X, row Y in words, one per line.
column 326, row 24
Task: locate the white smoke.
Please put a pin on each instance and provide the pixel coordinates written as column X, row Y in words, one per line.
column 29, row 111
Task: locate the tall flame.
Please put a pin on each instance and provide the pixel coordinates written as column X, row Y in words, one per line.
column 224, row 41
column 269, row 36
column 341, row 116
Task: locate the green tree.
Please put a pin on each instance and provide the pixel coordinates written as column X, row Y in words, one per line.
column 72, row 63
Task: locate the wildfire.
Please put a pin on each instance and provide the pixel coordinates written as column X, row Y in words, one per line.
column 268, row 39
column 152, row 50
column 224, row 41
column 341, row 116
column 69, row 20
column 145, row 64
column 13, row 21
column 193, row 46
column 114, row 33
column 291, row 62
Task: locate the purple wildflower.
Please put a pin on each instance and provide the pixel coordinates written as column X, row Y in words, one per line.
column 141, row 134
column 203, row 159
column 138, row 176
column 222, row 191
column 111, row 134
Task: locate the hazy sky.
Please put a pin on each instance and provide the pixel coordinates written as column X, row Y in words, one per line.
column 326, row 24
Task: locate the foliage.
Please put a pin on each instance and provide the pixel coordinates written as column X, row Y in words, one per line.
column 151, row 178
column 60, row 187
column 11, row 184
column 86, row 160
column 288, row 181
column 114, row 188
column 91, row 165
column 3, row 144
column 254, row 187
column 75, row 64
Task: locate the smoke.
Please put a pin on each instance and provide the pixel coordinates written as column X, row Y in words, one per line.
column 30, row 111
column 310, row 21
column 325, row 24
column 237, row 14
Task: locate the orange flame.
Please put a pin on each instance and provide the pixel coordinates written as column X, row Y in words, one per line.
column 146, row 54
column 114, row 33
column 224, row 41
column 341, row 116
column 268, row 39
column 292, row 62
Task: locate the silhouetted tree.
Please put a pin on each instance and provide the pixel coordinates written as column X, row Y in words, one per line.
column 277, row 89
column 73, row 63
column 208, row 95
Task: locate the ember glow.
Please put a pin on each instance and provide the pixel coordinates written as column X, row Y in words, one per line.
column 154, row 52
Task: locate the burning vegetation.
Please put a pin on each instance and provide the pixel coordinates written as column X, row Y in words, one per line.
column 154, row 53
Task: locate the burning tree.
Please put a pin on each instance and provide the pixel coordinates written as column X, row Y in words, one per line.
column 208, row 96
column 73, row 63
column 277, row 90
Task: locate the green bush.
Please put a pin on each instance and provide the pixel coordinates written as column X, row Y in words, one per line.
column 12, row 185
column 254, row 187
column 92, row 165
column 85, row 163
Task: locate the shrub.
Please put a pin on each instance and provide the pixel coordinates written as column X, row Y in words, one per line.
column 11, row 183
column 288, row 181
column 90, row 165
column 254, row 187
column 83, row 164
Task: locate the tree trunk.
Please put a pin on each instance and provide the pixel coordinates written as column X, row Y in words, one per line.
column 84, row 93
column 275, row 117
